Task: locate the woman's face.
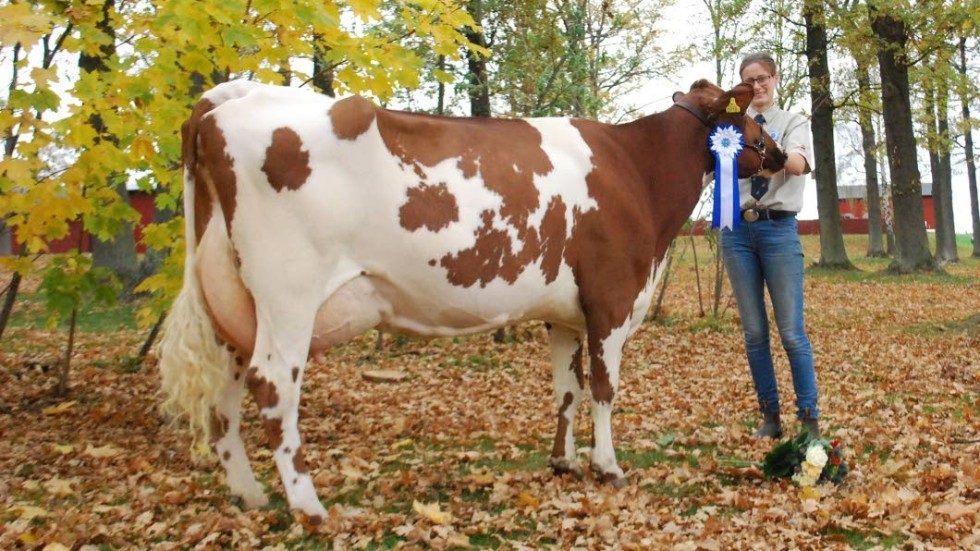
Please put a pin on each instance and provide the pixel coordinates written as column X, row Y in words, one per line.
column 763, row 84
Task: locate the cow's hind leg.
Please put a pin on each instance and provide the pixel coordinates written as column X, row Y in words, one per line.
column 274, row 376
column 566, row 364
column 605, row 355
column 227, row 439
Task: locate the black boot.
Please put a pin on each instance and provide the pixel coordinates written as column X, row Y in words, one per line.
column 771, row 427
column 810, row 425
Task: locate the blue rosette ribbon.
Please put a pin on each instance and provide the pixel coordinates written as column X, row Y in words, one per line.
column 726, row 142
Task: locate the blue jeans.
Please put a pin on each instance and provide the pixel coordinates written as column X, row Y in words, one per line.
column 768, row 253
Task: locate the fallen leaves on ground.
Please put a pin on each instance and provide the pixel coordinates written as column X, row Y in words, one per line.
column 455, row 455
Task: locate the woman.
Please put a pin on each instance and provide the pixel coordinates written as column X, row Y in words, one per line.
column 764, row 251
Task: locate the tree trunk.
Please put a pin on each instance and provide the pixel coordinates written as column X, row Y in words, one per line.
column 476, row 75
column 911, row 243
column 971, row 165
column 322, row 71
column 942, row 180
column 119, row 253
column 9, row 144
column 876, row 247
column 9, row 298
column 441, row 88
column 832, row 251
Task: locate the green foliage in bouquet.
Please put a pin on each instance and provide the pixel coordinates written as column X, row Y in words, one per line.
column 806, row 460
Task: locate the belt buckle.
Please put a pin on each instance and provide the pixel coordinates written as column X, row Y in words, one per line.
column 750, row 215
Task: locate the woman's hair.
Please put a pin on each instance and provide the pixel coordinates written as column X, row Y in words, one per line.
column 765, row 58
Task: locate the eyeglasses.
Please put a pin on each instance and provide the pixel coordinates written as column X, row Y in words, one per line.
column 761, row 80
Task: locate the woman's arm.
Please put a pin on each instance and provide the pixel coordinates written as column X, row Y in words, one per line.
column 796, row 164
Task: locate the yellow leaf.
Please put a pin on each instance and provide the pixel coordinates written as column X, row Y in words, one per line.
column 143, row 148
column 63, row 449
column 102, row 452
column 365, row 9
column 59, row 487
column 528, row 501
column 432, row 513
column 405, row 443
column 481, row 479
column 63, row 407
column 458, row 540
column 22, row 25
column 810, row 492
column 28, row 512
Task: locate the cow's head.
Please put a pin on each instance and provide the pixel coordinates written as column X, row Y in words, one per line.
column 761, row 156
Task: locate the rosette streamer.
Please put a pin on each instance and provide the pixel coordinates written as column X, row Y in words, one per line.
column 726, row 142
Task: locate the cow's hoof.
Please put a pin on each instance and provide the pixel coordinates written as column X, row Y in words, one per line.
column 310, row 516
column 561, row 466
column 616, row 479
column 250, row 501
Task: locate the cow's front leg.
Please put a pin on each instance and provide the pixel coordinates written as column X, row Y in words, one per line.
column 227, row 440
column 566, row 364
column 605, row 354
column 275, row 384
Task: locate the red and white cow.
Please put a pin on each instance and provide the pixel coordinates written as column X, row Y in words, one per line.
column 317, row 219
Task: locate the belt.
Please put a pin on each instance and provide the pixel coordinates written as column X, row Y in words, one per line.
column 751, row 215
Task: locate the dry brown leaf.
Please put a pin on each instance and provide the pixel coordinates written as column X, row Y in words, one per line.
column 958, row 510
column 102, row 452
column 59, row 487
column 63, row 407
column 432, row 513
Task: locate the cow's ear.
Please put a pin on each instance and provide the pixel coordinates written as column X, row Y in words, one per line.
column 743, row 95
column 738, row 97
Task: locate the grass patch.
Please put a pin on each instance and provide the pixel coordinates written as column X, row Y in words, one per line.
column 711, row 324
column 30, row 312
column 864, row 540
column 529, row 462
column 874, row 271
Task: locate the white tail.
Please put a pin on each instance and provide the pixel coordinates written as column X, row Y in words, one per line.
column 194, row 364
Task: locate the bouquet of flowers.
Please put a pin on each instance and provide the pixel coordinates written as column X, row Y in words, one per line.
column 807, row 461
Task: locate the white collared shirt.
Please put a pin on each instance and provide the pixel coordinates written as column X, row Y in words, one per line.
column 792, row 132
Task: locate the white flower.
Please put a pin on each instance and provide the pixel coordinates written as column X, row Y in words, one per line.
column 803, row 480
column 726, row 141
column 816, row 455
column 811, row 470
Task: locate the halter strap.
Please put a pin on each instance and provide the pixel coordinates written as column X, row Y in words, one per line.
column 694, row 111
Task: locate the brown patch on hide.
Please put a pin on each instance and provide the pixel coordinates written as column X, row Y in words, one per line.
column 202, row 198
column 506, row 155
column 287, row 165
column 553, row 235
column 351, row 117
column 265, row 392
column 577, row 366
column 219, row 426
column 299, row 461
column 431, row 207
column 214, row 165
column 559, row 448
column 273, row 432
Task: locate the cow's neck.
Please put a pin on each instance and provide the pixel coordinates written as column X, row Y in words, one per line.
column 673, row 158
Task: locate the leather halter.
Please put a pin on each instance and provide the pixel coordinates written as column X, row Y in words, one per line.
column 694, row 111
column 759, row 146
